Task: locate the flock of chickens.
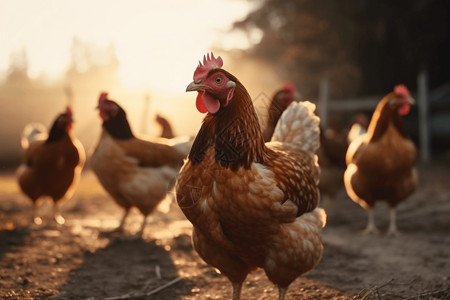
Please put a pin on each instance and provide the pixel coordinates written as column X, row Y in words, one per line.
column 252, row 195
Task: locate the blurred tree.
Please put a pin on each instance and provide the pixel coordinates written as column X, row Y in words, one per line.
column 362, row 46
column 92, row 64
column 18, row 68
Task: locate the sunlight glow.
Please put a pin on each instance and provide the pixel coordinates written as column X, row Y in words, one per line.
column 157, row 43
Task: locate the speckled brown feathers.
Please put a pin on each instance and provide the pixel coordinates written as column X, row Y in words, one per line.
column 252, row 204
column 297, row 175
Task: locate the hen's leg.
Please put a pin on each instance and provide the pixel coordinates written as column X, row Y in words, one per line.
column 36, row 219
column 144, row 223
column 217, row 256
column 122, row 222
column 57, row 214
column 371, row 227
column 392, row 230
column 281, row 292
column 237, row 287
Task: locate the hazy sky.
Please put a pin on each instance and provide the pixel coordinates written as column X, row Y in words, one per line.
column 154, row 40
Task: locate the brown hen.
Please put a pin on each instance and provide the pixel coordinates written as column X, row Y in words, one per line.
column 52, row 163
column 252, row 204
column 380, row 163
column 135, row 172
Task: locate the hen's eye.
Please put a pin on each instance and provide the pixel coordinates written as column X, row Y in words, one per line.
column 218, row 80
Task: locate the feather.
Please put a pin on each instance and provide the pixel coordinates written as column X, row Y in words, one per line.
column 252, row 204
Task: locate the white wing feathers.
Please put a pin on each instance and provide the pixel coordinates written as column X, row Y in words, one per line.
column 299, row 125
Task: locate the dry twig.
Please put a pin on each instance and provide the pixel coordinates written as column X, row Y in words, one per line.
column 141, row 293
column 432, row 293
column 366, row 293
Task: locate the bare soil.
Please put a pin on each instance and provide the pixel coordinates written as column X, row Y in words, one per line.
column 82, row 260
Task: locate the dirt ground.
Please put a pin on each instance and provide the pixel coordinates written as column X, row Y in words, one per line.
column 81, row 260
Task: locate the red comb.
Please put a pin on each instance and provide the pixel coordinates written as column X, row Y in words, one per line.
column 103, row 97
column 209, row 63
column 68, row 111
column 289, row 86
column 402, row 90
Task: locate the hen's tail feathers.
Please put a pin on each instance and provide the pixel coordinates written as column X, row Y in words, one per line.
column 299, row 125
column 31, row 133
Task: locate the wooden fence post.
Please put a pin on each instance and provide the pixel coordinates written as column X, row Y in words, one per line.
column 422, row 104
column 324, row 97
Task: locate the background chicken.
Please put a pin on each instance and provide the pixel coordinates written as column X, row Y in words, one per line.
column 166, row 128
column 279, row 102
column 333, row 146
column 135, row 172
column 333, row 142
column 182, row 143
column 357, row 128
column 380, row 163
column 52, row 163
column 252, row 204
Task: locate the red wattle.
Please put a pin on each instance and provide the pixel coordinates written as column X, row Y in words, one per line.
column 404, row 110
column 206, row 103
column 211, row 104
column 199, row 104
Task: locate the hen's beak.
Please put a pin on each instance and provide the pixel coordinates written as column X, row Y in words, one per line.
column 411, row 101
column 195, row 86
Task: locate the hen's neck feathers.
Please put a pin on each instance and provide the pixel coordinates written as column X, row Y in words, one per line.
column 233, row 131
column 382, row 117
column 118, row 126
column 57, row 132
